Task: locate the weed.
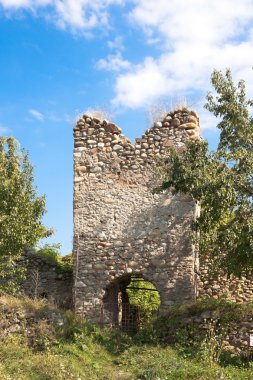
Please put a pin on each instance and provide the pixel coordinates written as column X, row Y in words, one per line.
column 170, row 349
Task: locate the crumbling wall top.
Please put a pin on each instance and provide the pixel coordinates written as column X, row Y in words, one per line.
column 100, row 145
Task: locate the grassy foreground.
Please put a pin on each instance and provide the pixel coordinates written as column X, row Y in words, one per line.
column 79, row 350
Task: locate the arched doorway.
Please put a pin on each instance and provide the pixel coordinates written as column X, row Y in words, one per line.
column 130, row 302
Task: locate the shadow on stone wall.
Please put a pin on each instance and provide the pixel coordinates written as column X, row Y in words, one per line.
column 45, row 280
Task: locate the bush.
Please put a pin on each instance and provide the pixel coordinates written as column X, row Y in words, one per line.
column 51, row 253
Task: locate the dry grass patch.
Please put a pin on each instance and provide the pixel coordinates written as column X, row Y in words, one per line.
column 24, row 304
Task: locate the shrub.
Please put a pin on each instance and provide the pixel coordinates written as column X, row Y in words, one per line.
column 51, row 253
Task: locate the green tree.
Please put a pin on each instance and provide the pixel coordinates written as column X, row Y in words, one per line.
column 21, row 211
column 222, row 180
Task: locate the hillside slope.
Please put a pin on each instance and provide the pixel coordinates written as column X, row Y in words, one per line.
column 39, row 342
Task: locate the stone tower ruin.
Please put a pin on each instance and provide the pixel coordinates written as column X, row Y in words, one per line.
column 121, row 227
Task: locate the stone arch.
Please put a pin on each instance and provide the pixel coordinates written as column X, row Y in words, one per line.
column 116, row 304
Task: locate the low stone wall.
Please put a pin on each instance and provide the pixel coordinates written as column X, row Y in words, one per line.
column 37, row 322
column 219, row 285
column 233, row 337
column 43, row 280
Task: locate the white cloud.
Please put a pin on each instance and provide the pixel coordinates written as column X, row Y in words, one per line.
column 36, row 114
column 116, row 43
column 65, row 118
column 192, row 20
column 195, row 38
column 14, row 3
column 113, row 63
column 134, row 89
column 26, row 4
column 76, row 14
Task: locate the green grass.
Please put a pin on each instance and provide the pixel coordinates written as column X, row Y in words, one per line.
column 81, row 350
column 164, row 363
column 93, row 361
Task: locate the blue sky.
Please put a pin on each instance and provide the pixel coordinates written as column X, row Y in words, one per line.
column 61, row 57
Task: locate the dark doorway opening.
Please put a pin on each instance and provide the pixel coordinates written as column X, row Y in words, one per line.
column 130, row 302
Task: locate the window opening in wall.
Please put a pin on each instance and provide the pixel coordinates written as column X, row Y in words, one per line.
column 131, row 303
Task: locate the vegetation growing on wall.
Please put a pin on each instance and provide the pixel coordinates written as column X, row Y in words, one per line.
column 51, row 253
column 221, row 180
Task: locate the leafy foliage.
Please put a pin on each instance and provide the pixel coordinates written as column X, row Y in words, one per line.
column 21, row 211
column 222, row 180
column 52, row 254
column 147, row 301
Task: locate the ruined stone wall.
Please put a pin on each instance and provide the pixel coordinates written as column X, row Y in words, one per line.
column 217, row 285
column 120, row 226
column 44, row 280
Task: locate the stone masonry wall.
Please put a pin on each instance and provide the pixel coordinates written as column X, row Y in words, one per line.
column 120, row 226
column 219, row 284
column 43, row 280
